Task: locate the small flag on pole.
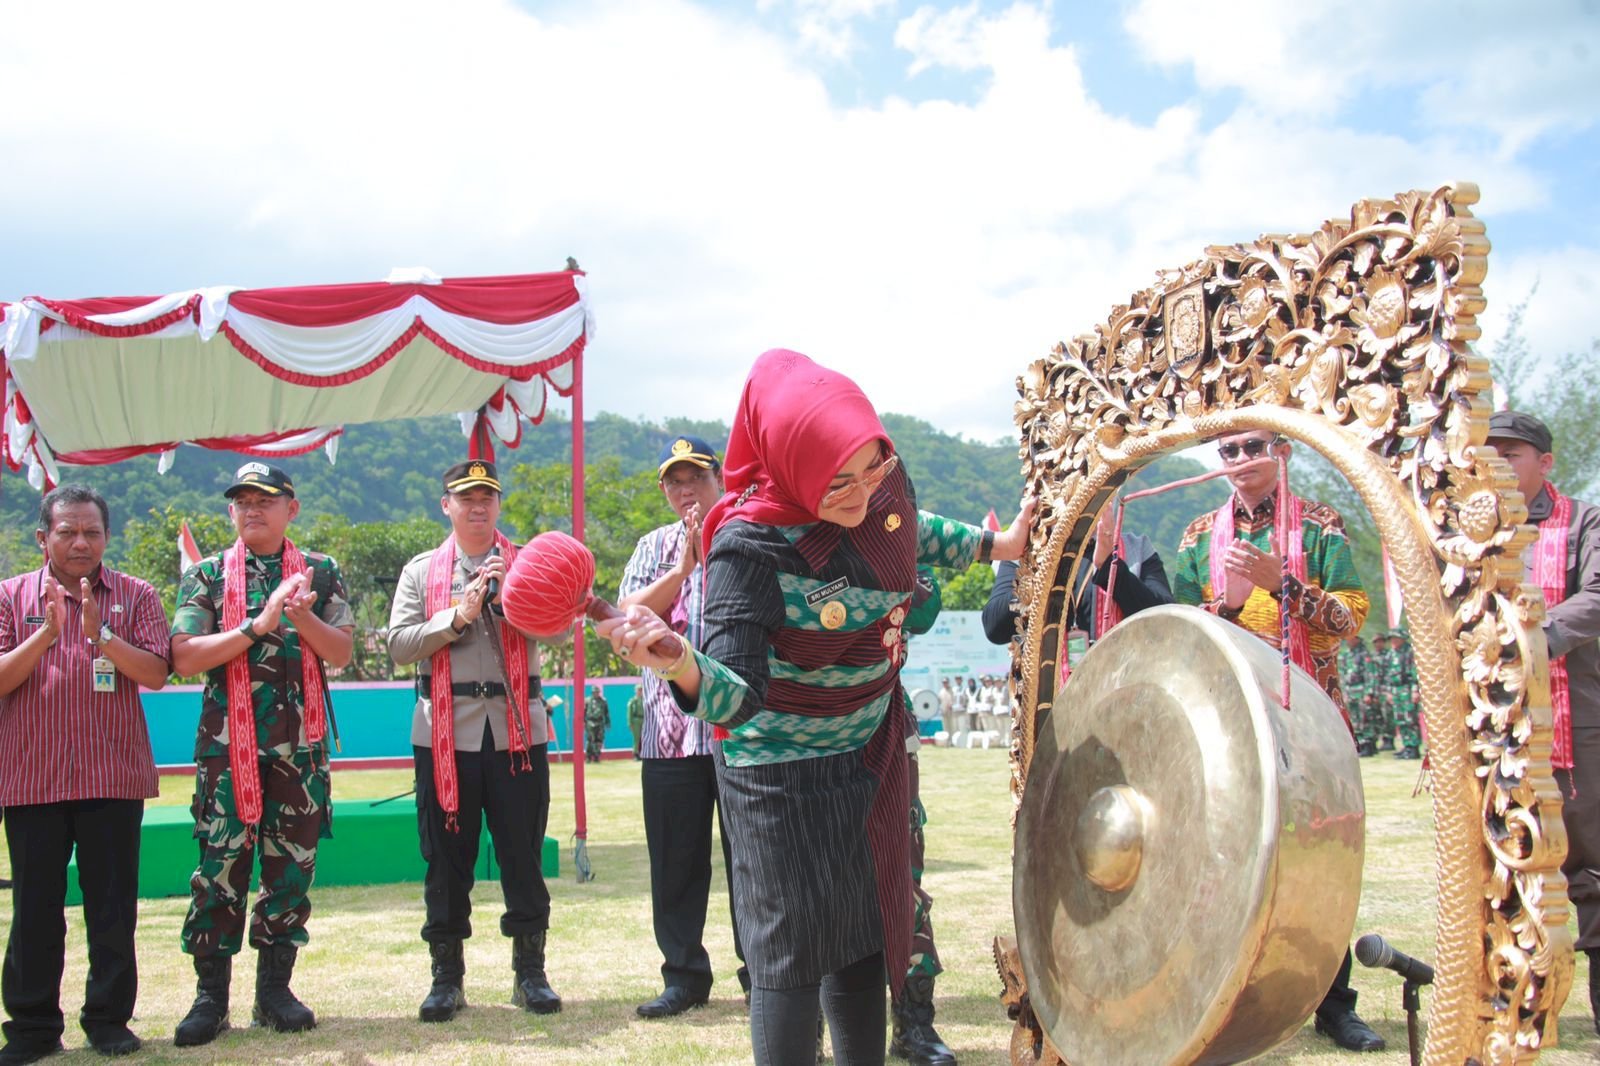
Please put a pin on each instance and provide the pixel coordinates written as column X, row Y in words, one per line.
column 1391, row 590
column 188, row 550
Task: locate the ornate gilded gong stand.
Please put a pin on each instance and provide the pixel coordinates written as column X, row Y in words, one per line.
column 1352, row 340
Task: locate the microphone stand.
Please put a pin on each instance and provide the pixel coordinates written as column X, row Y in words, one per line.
column 1411, row 999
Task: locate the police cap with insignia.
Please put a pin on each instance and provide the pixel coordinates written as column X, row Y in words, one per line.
column 473, row 473
column 686, row 449
column 263, row 478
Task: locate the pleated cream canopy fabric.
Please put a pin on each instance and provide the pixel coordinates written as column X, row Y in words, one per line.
column 278, row 372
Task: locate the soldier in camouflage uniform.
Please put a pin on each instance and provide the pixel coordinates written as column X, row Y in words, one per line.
column 284, row 616
column 1355, row 676
column 913, row 1036
column 1380, row 697
column 1402, row 688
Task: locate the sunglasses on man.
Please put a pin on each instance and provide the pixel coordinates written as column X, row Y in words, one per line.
column 1254, row 448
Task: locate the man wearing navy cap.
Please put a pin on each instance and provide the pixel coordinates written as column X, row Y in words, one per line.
column 1565, row 563
column 480, row 737
column 677, row 777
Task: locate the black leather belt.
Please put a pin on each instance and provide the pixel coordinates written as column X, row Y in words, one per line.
column 487, row 690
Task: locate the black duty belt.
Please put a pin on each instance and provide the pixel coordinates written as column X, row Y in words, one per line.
column 487, row 690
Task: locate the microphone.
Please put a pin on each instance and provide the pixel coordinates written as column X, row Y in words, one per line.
column 491, row 591
column 1374, row 951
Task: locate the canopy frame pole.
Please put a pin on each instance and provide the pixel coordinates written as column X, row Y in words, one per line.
column 580, row 858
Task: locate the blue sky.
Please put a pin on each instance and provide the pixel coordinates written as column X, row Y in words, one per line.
column 926, row 196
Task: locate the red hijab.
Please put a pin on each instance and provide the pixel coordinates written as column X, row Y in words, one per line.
column 797, row 424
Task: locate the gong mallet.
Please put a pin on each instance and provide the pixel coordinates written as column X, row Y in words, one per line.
column 550, row 585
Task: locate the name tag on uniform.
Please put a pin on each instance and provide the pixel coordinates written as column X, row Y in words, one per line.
column 105, row 675
column 33, row 619
column 832, row 588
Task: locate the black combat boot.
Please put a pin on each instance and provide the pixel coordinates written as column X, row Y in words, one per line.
column 276, row 1006
column 1594, row 987
column 914, row 1036
column 445, row 998
column 209, row 1014
column 532, row 991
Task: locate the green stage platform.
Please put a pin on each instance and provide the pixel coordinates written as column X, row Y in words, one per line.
column 374, row 843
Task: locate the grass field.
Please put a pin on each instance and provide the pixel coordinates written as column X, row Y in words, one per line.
column 366, row 970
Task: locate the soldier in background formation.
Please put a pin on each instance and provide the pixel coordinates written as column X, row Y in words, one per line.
column 1358, row 676
column 1400, row 696
column 596, row 720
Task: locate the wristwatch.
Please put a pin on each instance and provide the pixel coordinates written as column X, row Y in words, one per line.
column 105, row 635
column 247, row 627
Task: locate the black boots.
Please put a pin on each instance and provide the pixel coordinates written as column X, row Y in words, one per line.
column 914, row 1036
column 276, row 1006
column 1594, row 987
column 532, row 991
column 445, row 998
column 209, row 1014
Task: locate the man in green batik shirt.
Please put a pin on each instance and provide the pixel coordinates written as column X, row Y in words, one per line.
column 1356, row 676
column 284, row 615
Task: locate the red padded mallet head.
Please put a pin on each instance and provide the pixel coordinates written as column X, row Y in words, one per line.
column 549, row 586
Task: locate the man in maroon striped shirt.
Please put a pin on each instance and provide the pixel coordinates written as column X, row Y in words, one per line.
column 77, row 639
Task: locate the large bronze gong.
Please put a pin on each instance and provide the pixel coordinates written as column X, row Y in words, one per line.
column 1352, row 341
column 1188, row 857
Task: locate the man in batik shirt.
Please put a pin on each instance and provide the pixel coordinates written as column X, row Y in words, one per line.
column 1228, row 563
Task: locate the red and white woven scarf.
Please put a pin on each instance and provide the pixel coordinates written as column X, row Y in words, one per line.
column 1550, row 574
column 243, row 756
column 441, row 572
column 1290, row 542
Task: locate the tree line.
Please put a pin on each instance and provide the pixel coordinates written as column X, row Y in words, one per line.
column 379, row 505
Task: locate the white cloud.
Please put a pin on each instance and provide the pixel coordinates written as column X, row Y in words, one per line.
column 1515, row 70
column 828, row 27
column 692, row 161
column 1561, row 288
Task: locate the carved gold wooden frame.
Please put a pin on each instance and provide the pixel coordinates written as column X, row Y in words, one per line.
column 1354, row 341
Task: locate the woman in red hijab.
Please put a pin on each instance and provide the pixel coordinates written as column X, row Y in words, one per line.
column 810, row 564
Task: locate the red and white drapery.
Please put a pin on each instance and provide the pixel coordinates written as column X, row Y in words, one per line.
column 278, row 372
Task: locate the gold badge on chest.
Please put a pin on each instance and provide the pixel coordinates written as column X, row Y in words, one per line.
column 892, row 522
column 833, row 614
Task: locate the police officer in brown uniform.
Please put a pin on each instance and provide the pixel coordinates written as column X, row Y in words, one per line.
column 480, row 736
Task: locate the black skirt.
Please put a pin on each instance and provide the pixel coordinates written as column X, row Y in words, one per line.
column 804, row 886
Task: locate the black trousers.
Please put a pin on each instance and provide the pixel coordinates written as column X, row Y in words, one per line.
column 41, row 838
column 517, row 806
column 1580, row 790
column 1341, row 998
column 680, row 804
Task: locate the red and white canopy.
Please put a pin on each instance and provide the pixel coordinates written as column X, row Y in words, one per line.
column 277, row 372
